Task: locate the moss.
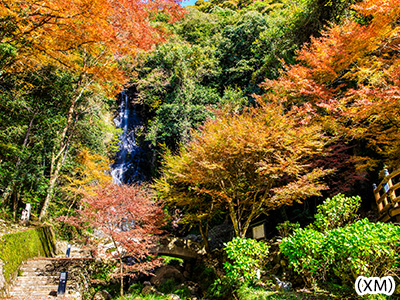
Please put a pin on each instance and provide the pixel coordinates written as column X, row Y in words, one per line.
column 18, row 247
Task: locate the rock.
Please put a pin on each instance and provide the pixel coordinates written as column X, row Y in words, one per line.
column 102, row 295
column 148, row 290
column 282, row 286
column 147, row 283
column 173, row 297
column 167, row 272
column 194, row 238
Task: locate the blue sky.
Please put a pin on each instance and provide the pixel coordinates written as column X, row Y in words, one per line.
column 188, row 2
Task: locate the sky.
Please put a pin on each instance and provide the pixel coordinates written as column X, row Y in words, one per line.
column 188, row 2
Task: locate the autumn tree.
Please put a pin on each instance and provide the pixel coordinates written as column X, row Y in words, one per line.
column 92, row 170
column 129, row 218
column 245, row 164
column 86, row 38
column 347, row 80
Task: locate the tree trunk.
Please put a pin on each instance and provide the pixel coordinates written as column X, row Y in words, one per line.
column 241, row 230
column 49, row 196
column 204, row 235
column 122, row 277
column 58, row 159
column 14, row 178
column 235, row 222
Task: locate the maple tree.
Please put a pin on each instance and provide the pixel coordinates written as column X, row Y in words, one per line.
column 87, row 38
column 246, row 164
column 347, row 80
column 129, row 218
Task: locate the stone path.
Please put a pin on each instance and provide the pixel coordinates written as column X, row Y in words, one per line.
column 39, row 278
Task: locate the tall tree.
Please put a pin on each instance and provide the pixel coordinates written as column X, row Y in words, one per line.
column 246, row 164
column 88, row 38
column 347, row 81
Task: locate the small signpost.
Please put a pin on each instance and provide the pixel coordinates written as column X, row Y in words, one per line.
column 26, row 214
column 68, row 250
column 62, row 283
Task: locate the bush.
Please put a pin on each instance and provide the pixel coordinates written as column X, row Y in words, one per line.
column 247, row 256
column 304, row 252
column 361, row 248
column 364, row 248
column 336, row 212
column 287, row 228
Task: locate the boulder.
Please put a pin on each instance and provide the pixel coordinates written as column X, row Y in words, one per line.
column 150, row 290
column 102, row 295
column 167, row 272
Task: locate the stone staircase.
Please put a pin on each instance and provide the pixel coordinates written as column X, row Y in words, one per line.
column 38, row 278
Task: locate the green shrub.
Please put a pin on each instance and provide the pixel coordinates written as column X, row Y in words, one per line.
column 361, row 248
column 287, row 228
column 172, row 261
column 136, row 288
column 364, row 248
column 336, row 212
column 304, row 250
column 247, row 256
column 146, row 297
column 221, row 288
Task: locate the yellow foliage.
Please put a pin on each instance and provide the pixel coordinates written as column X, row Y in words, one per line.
column 92, row 171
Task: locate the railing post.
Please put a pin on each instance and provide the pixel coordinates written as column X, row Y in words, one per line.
column 377, row 198
column 385, row 186
column 388, row 186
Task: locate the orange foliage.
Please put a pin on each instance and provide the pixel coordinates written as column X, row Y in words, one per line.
column 245, row 164
column 347, row 80
column 88, row 36
column 92, row 171
column 129, row 219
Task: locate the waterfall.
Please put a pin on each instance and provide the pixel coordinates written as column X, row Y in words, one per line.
column 126, row 168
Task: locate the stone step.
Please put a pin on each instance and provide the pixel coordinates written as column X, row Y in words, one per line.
column 36, row 276
column 40, row 277
column 43, row 297
column 37, row 271
column 33, row 289
column 35, row 283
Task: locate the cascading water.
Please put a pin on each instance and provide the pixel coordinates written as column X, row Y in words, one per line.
column 126, row 168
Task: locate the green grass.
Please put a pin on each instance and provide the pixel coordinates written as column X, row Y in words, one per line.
column 147, row 297
column 254, row 293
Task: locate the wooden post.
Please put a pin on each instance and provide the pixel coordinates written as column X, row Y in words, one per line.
column 385, row 186
column 377, row 198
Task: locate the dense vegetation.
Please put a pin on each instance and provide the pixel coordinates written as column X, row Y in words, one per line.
column 248, row 108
